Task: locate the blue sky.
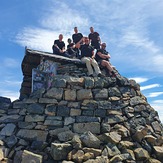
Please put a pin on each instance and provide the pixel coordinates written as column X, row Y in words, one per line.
column 132, row 30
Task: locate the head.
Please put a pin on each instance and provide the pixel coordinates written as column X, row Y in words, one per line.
column 69, row 40
column 60, row 37
column 75, row 29
column 91, row 29
column 86, row 39
column 103, row 45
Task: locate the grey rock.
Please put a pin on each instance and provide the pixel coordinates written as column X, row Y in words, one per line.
column 114, row 91
column 35, row 109
column 51, row 110
column 65, row 136
column 26, row 125
column 100, row 93
column 8, row 130
column 47, row 101
column 69, row 120
column 89, row 82
column 32, row 134
column 59, row 83
column 80, row 119
column 11, row 118
column 31, row 157
column 137, row 100
column 55, row 93
column 113, row 119
column 11, row 141
column 84, row 94
column 90, row 140
column 63, row 111
column 60, row 151
column 93, row 127
column 70, row 95
column 34, row 118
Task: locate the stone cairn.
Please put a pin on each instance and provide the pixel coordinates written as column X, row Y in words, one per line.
column 81, row 120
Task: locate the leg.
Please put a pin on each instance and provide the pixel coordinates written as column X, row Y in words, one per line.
column 88, row 64
column 96, row 67
column 108, row 66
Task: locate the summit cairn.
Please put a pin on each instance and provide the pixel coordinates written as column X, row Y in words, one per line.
column 81, row 119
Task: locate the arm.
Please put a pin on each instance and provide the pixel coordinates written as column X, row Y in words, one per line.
column 103, row 55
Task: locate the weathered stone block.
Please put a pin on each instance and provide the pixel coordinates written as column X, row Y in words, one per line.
column 100, row 93
column 100, row 113
column 34, row 118
column 87, row 112
column 137, row 100
column 32, row 134
column 80, row 119
column 69, row 120
column 63, row 111
column 35, row 108
column 84, row 94
column 75, row 112
column 141, row 154
column 60, row 151
column 26, row 125
column 70, row 95
column 90, row 140
column 47, row 101
column 114, row 91
column 93, row 127
column 31, row 157
column 51, row 110
column 55, row 93
column 89, row 82
column 111, row 119
column 8, row 130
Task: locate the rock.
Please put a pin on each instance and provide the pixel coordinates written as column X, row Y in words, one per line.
column 51, row 110
column 65, row 136
column 55, row 132
column 60, row 151
column 112, row 119
column 11, row 141
column 113, row 91
column 80, row 119
column 141, row 154
column 70, row 95
column 159, row 152
column 110, row 150
column 59, row 83
column 151, row 160
column 156, row 126
column 98, row 160
column 96, row 152
column 76, row 142
column 76, row 156
column 55, row 93
column 100, row 93
column 3, row 152
column 89, row 82
column 84, row 94
column 90, row 140
column 32, row 134
column 63, row 111
column 34, row 118
column 93, row 127
column 11, row 118
column 137, row 100
column 8, row 130
column 35, row 109
column 68, row 121
column 47, row 101
column 31, row 157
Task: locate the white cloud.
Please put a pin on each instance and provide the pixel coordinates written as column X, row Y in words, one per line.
column 9, row 94
column 140, row 79
column 158, row 106
column 10, row 62
column 149, row 86
column 154, row 94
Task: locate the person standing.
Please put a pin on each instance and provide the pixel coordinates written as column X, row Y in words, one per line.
column 87, row 56
column 102, row 57
column 77, row 39
column 94, row 38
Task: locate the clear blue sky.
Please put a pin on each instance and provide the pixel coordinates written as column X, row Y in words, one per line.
column 132, row 30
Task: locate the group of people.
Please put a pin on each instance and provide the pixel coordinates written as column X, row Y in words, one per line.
column 84, row 48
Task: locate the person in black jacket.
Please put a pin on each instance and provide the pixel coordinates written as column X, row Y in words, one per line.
column 59, row 47
column 102, row 57
column 87, row 56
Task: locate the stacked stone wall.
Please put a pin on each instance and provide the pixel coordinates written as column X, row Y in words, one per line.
column 86, row 119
